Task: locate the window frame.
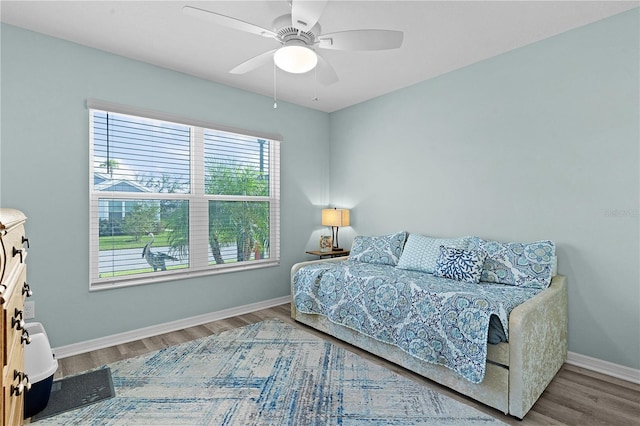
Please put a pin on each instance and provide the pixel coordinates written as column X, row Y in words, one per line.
column 197, row 199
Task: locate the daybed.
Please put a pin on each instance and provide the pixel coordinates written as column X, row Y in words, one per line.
column 534, row 321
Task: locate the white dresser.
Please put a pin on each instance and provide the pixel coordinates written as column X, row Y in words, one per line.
column 13, row 291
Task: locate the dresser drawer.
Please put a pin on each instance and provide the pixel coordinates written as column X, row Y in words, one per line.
column 13, row 251
column 14, row 387
column 13, row 313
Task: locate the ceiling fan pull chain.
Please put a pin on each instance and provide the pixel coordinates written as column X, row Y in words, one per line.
column 275, row 102
column 315, row 76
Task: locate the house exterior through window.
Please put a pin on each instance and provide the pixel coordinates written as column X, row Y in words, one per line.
column 171, row 198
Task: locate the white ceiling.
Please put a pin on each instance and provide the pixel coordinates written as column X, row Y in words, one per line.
column 439, row 36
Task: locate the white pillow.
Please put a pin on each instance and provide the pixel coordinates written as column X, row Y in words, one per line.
column 421, row 252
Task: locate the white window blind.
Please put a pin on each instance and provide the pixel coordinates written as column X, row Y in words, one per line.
column 171, row 199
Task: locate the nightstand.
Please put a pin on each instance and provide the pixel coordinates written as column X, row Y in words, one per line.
column 335, row 253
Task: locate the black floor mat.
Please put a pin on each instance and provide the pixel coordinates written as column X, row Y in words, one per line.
column 78, row 391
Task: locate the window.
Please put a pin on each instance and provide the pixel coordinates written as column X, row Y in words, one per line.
column 170, row 198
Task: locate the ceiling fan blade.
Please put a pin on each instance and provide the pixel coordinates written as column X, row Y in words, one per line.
column 305, row 14
column 253, row 63
column 362, row 40
column 228, row 22
column 326, row 75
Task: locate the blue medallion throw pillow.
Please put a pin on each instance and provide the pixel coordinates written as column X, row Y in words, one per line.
column 421, row 252
column 460, row 265
column 383, row 250
column 519, row 264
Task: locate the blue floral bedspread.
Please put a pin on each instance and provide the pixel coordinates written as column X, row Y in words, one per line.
column 437, row 320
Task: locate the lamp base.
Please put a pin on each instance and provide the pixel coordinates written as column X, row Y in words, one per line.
column 334, row 235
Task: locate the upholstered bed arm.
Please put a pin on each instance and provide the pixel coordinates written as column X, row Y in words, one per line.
column 297, row 266
column 537, row 345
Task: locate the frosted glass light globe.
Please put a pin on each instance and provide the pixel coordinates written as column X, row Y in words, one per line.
column 295, row 59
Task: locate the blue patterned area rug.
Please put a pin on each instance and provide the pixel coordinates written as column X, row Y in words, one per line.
column 269, row 373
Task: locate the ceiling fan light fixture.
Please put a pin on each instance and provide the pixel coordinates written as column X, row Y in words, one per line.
column 295, row 59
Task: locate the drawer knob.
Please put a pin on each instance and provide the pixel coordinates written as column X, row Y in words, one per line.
column 25, row 338
column 26, row 290
column 17, row 390
column 17, row 322
column 23, row 384
column 16, row 252
column 20, row 376
column 27, row 382
column 25, row 240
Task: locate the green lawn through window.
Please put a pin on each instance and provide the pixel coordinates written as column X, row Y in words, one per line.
column 120, row 242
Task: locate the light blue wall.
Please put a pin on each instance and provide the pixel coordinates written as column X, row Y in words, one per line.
column 44, row 172
column 541, row 142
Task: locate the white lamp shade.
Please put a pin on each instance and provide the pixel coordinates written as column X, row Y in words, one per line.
column 335, row 217
column 295, row 59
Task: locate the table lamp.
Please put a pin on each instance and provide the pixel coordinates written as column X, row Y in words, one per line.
column 335, row 218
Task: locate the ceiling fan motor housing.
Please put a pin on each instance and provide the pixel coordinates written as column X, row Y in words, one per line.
column 290, row 35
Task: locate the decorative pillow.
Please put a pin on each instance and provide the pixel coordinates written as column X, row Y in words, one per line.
column 383, row 250
column 519, row 264
column 421, row 253
column 460, row 265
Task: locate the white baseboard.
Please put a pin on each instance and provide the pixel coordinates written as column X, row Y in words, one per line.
column 604, row 367
column 142, row 333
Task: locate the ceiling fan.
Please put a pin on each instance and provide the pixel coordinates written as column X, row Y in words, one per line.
column 300, row 35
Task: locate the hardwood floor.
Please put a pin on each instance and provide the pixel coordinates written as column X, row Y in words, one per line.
column 575, row 397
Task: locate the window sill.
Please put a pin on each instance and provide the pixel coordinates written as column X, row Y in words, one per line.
column 154, row 278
